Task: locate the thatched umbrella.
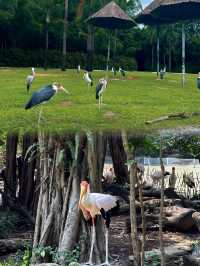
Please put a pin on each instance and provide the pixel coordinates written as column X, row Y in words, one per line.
column 176, row 11
column 111, row 17
column 145, row 17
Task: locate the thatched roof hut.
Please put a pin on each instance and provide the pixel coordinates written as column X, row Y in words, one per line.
column 111, row 16
column 170, row 11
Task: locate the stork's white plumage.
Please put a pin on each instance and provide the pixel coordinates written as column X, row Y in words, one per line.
column 78, row 69
column 189, row 180
column 100, row 88
column 157, row 176
column 88, row 78
column 93, row 204
column 30, row 79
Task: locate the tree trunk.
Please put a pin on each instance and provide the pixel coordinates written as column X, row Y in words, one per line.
column 90, row 41
column 10, row 185
column 65, row 22
column 27, row 177
column 162, row 251
column 97, row 144
column 133, row 181
column 47, row 39
column 119, row 157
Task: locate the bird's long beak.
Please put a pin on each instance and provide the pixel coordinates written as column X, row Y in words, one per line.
column 82, row 193
column 66, row 91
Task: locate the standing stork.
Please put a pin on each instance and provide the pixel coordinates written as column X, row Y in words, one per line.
column 88, row 78
column 29, row 80
column 44, row 95
column 78, row 69
column 100, row 88
column 93, row 204
column 188, row 179
column 157, row 176
column 122, row 71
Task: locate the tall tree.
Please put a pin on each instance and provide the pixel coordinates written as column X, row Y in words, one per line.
column 65, row 22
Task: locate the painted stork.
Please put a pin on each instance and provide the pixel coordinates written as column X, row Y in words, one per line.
column 157, row 176
column 122, row 71
column 188, row 179
column 93, row 204
column 88, row 78
column 44, row 95
column 29, row 80
column 100, row 88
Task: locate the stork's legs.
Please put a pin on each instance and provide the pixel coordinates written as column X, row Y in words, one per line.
column 92, row 243
column 106, row 262
column 39, row 117
column 99, row 102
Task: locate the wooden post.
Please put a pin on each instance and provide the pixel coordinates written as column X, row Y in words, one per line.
column 158, row 50
column 183, row 54
column 162, row 250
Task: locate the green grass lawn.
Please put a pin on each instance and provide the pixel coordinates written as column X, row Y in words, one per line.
column 127, row 104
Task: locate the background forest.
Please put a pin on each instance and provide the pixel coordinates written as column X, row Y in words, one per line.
column 31, row 29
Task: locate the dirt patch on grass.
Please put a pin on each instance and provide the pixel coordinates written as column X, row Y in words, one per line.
column 109, row 114
column 65, row 103
column 132, row 77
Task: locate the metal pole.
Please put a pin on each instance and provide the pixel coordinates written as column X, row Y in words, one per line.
column 183, row 54
column 158, row 51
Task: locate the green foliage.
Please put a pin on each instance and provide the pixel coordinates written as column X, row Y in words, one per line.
column 8, row 222
column 52, row 254
column 152, row 258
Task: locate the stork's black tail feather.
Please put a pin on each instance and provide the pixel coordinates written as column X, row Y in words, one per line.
column 97, row 96
column 116, row 190
column 28, row 87
column 91, row 83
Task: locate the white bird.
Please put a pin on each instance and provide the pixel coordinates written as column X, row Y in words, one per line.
column 189, row 180
column 100, row 88
column 157, row 176
column 93, row 204
column 88, row 78
column 78, row 69
column 172, row 178
column 29, row 80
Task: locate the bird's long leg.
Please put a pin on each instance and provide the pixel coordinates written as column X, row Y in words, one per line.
column 99, row 102
column 106, row 262
column 40, row 115
column 92, row 242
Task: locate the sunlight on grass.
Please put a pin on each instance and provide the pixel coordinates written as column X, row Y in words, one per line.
column 127, row 104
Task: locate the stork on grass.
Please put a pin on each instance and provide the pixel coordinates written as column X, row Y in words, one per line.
column 29, row 80
column 78, row 69
column 100, row 88
column 122, row 72
column 93, row 204
column 88, row 78
column 44, row 95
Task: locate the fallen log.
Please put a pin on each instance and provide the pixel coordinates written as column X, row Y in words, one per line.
column 182, row 115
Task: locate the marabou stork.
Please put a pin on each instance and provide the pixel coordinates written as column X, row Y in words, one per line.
column 157, row 176
column 88, row 78
column 93, row 204
column 29, row 79
column 100, row 88
column 44, row 95
column 188, row 179
column 122, row 71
